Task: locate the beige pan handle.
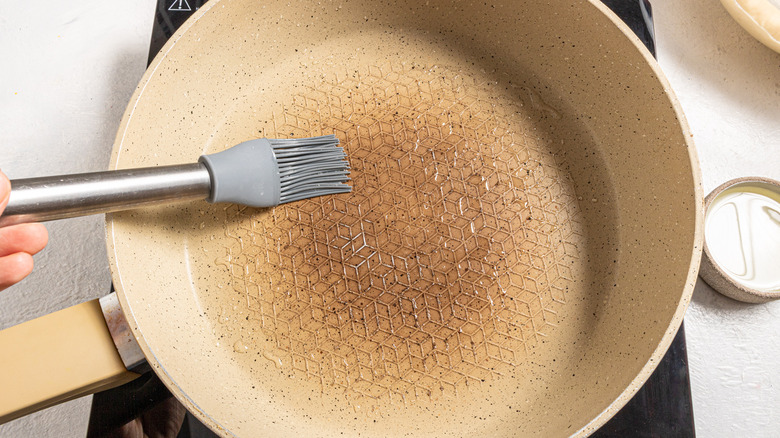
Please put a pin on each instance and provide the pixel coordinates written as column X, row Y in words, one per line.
column 59, row 357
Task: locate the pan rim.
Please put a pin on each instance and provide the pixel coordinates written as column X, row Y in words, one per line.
column 127, row 309
column 598, row 421
column 698, row 237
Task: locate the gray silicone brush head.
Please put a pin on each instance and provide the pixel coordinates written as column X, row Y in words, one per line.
column 268, row 172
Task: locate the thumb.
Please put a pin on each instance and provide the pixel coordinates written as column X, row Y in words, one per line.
column 5, row 191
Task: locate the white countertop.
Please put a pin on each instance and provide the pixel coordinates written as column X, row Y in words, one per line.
column 70, row 68
column 729, row 87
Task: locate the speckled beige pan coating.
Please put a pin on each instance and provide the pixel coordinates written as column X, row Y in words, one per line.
column 565, row 77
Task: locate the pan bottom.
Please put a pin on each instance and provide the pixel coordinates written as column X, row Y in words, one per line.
column 457, row 253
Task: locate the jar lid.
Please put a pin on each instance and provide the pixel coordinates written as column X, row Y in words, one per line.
column 742, row 239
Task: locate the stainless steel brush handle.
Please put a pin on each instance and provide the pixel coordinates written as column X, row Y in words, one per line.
column 60, row 197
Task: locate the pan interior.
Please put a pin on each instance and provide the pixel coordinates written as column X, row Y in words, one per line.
column 462, row 287
column 459, row 258
column 453, row 259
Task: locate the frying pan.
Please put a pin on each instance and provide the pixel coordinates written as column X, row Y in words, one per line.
column 517, row 254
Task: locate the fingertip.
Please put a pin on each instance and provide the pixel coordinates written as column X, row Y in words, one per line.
column 26, row 263
column 38, row 237
column 5, row 190
column 14, row 268
column 23, row 265
column 29, row 238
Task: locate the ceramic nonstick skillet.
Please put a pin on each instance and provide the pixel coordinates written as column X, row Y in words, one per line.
column 517, row 253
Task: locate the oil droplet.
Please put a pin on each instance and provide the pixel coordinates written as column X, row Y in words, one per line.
column 273, row 358
column 541, row 105
column 240, row 346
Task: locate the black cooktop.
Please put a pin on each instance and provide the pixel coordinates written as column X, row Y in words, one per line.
column 661, row 408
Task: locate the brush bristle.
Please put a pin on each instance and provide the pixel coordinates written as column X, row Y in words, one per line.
column 310, row 167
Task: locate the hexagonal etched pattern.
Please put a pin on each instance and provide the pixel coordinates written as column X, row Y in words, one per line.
column 445, row 264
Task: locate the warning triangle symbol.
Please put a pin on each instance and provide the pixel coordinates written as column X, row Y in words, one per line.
column 180, row 5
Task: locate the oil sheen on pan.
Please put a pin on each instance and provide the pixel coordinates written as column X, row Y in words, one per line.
column 453, row 258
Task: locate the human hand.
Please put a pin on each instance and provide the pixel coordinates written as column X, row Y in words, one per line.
column 18, row 243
